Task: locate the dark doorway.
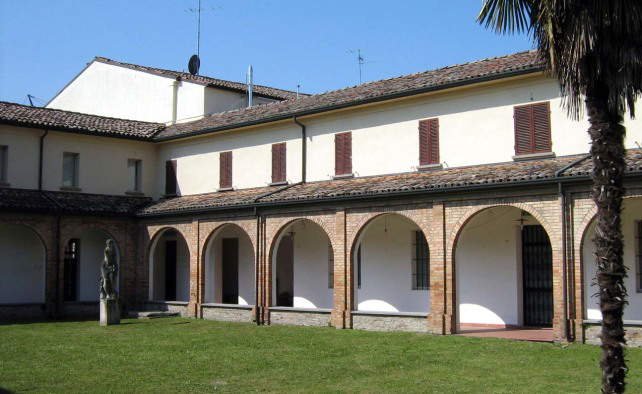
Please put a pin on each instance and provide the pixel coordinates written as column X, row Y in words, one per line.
column 285, row 272
column 537, row 262
column 71, row 269
column 170, row 270
column 230, row 268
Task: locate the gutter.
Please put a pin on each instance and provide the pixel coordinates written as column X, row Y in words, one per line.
column 304, row 138
column 40, row 158
column 404, row 93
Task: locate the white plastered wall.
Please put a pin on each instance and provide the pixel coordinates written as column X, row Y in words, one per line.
column 213, row 266
column 198, row 159
column 23, row 147
column 157, row 268
column 632, row 212
column 386, row 268
column 22, row 266
column 102, row 163
column 92, row 247
column 488, row 268
column 310, row 271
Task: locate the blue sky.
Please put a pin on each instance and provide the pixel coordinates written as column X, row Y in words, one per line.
column 45, row 43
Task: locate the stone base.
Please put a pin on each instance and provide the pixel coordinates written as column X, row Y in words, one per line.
column 109, row 312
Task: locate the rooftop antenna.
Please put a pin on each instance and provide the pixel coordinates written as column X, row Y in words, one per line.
column 298, row 87
column 195, row 61
column 360, row 62
column 30, row 97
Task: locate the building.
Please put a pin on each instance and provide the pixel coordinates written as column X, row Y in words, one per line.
column 447, row 199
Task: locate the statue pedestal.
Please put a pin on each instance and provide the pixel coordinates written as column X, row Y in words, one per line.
column 109, row 312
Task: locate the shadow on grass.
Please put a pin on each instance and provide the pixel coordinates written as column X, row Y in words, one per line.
column 5, row 391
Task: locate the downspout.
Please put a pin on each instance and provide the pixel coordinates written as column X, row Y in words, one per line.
column 303, row 149
column 568, row 277
column 40, row 158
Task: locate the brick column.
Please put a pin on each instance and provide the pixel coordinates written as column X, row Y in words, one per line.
column 438, row 319
column 342, row 293
column 196, row 279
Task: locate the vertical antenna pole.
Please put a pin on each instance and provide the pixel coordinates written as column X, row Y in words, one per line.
column 30, row 101
column 198, row 33
column 360, row 61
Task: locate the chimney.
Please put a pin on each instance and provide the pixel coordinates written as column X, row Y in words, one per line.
column 249, row 85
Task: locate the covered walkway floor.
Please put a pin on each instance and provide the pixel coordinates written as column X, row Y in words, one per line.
column 534, row 334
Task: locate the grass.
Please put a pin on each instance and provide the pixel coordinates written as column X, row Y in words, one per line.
column 185, row 355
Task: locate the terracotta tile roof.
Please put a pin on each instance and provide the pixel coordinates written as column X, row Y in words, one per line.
column 54, row 119
column 260, row 90
column 24, row 200
column 461, row 178
column 442, row 78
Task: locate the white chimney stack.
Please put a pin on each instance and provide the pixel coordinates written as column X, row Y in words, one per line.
column 249, row 85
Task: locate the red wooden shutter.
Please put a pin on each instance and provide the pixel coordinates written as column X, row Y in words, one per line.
column 343, row 153
column 541, row 127
column 429, row 142
column 532, row 128
column 225, row 167
column 170, row 177
column 278, row 163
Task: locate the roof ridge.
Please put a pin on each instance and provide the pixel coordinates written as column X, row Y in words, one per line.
column 81, row 113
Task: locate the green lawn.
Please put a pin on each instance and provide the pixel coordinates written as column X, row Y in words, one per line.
column 184, row 355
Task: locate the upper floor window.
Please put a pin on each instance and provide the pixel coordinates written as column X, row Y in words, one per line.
column 429, row 142
column 343, row 154
column 532, row 128
column 278, row 163
column 4, row 163
column 70, row 168
column 170, row 178
column 420, row 266
column 225, row 167
column 135, row 168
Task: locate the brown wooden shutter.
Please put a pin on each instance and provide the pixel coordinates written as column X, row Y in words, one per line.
column 343, row 153
column 541, row 127
column 170, row 177
column 278, row 163
column 429, row 142
column 225, row 167
column 532, row 128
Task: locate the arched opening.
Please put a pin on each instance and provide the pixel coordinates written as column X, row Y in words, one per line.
column 504, row 271
column 22, row 266
column 303, row 267
column 82, row 261
column 229, row 267
column 169, row 267
column 391, row 267
column 632, row 233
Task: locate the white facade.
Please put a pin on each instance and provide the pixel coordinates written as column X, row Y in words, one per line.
column 386, row 268
column 92, row 247
column 631, row 214
column 22, row 267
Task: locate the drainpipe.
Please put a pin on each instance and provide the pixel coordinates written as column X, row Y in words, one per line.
column 175, row 85
column 303, row 149
column 40, row 158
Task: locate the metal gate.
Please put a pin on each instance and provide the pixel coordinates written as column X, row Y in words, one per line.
column 537, row 263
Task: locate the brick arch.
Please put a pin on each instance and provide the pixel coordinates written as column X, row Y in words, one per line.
column 81, row 228
column 457, row 229
column 243, row 226
column 39, row 232
column 154, row 234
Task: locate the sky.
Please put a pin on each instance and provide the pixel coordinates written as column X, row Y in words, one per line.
column 45, row 43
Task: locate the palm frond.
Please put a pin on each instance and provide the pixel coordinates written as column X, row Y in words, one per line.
column 506, row 16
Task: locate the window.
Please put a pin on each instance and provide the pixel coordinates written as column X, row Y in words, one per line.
column 330, row 267
column 71, row 270
column 278, row 163
column 343, row 154
column 225, row 167
column 429, row 142
column 420, row 266
column 170, row 178
column 70, row 170
column 532, row 128
column 135, row 168
column 4, row 162
column 359, row 267
column 638, row 255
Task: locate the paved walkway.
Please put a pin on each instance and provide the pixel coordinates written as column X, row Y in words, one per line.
column 536, row 334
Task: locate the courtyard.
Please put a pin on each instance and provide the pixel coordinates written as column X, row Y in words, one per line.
column 189, row 355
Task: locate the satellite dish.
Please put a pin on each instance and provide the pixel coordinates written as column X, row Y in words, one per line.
column 194, row 64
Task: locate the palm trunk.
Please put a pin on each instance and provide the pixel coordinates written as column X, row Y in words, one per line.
column 607, row 150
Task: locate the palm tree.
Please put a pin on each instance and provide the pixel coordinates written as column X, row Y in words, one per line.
column 594, row 49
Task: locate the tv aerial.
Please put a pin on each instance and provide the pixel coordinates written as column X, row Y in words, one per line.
column 194, row 63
